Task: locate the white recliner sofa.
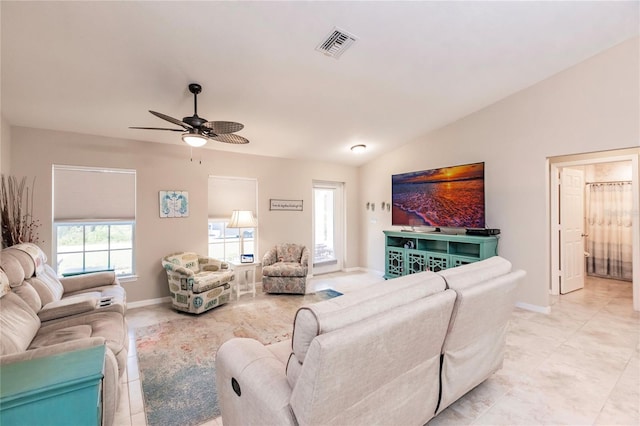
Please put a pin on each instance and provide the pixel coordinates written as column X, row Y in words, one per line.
column 42, row 316
column 396, row 352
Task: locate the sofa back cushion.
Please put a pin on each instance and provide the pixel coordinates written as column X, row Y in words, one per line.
column 18, row 324
column 29, row 295
column 475, row 343
column 474, row 273
column 4, row 283
column 12, row 268
column 289, row 252
column 381, row 370
column 31, row 257
column 188, row 260
column 329, row 315
column 47, row 285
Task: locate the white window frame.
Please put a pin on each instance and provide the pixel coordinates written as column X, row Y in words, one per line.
column 84, row 251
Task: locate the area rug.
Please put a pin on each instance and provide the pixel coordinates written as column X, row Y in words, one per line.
column 176, row 358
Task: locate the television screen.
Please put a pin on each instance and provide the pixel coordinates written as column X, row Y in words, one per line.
column 448, row 197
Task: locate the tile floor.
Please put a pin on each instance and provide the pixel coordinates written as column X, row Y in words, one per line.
column 579, row 365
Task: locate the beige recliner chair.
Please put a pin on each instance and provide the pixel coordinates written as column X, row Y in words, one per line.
column 285, row 268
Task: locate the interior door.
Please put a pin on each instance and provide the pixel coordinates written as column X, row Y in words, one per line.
column 571, row 230
column 328, row 218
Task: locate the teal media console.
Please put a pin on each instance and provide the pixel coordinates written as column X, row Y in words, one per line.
column 63, row 389
column 411, row 252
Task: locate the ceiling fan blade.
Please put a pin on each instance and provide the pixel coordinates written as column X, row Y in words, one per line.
column 157, row 128
column 171, row 119
column 223, row 127
column 234, row 139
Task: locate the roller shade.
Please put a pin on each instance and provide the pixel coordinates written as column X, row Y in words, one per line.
column 89, row 193
column 229, row 193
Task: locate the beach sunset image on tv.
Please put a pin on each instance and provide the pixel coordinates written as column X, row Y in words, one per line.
column 445, row 197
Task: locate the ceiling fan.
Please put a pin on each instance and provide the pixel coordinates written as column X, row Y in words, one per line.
column 197, row 130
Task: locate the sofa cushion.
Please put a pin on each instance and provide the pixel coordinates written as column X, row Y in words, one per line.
column 285, row 269
column 109, row 325
column 473, row 349
column 29, row 295
column 61, row 336
column 187, row 260
column 205, row 281
column 47, row 285
column 18, row 324
column 474, row 273
column 289, row 252
column 31, row 257
column 12, row 268
column 4, row 283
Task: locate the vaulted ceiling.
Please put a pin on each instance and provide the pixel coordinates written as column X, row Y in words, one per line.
column 98, row 67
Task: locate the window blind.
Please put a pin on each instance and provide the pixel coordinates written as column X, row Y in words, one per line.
column 83, row 193
column 227, row 194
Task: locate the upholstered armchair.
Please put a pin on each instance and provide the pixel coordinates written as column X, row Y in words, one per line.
column 284, row 269
column 197, row 283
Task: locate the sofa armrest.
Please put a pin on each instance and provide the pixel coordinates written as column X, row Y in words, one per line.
column 304, row 259
column 261, row 395
column 68, row 307
column 59, row 348
column 270, row 257
column 88, row 281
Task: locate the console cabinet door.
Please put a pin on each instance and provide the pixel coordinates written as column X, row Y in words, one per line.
column 416, row 261
column 395, row 262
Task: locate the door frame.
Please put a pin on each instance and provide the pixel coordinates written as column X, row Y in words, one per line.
column 339, row 224
column 553, row 212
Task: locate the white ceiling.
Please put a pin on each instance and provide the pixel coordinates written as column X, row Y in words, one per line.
column 97, row 67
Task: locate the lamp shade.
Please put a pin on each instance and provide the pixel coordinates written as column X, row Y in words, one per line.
column 194, row 139
column 242, row 219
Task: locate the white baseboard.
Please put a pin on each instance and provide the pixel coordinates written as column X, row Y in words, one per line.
column 148, row 302
column 534, row 308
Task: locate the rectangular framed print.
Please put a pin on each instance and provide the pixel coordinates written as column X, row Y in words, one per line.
column 291, row 205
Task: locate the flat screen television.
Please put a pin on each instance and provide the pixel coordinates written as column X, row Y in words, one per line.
column 448, row 197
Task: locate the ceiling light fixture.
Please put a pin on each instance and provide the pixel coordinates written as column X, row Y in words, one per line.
column 194, row 139
column 358, row 148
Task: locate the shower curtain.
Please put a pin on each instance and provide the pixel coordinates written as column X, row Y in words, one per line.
column 609, row 237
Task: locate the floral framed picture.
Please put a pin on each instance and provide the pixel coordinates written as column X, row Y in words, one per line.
column 174, row 204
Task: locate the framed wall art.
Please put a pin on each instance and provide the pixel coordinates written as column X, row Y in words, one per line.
column 174, row 204
column 284, row 205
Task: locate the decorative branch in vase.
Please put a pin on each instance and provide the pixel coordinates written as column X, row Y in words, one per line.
column 16, row 211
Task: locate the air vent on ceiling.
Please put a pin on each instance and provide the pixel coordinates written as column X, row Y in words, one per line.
column 336, row 43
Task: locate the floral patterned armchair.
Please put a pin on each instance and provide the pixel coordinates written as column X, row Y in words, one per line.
column 197, row 283
column 284, row 269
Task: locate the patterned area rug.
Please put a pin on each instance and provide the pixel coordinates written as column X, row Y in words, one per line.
column 177, row 358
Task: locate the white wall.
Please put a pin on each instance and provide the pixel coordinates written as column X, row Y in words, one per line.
column 593, row 106
column 162, row 167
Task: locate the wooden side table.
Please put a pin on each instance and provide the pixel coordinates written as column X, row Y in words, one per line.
column 62, row 389
column 245, row 269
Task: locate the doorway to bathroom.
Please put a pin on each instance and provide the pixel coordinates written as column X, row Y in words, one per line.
column 595, row 228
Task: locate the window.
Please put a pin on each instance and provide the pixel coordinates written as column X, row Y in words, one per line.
column 93, row 220
column 328, row 225
column 96, row 246
column 227, row 194
column 224, row 243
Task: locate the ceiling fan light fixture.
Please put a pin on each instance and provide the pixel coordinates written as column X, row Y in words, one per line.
column 194, row 139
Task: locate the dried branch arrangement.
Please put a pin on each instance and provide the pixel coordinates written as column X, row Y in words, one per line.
column 16, row 212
